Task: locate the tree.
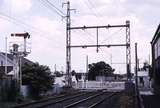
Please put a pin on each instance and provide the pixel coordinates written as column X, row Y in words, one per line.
column 99, row 68
column 146, row 66
column 73, row 72
column 38, row 77
column 58, row 73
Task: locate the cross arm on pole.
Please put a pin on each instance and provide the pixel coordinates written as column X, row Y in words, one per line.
column 109, row 45
column 91, row 27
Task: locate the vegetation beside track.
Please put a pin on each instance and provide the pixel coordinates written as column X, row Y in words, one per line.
column 126, row 101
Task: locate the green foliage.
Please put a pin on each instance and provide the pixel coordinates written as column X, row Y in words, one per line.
column 99, row 68
column 147, row 66
column 38, row 77
column 58, row 73
column 73, row 72
column 8, row 90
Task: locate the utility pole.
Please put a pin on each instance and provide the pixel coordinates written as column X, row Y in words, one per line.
column 136, row 69
column 68, row 44
column 14, row 51
column 149, row 59
column 87, row 64
column 6, row 64
column 128, row 50
column 138, row 64
column 85, row 75
column 97, row 40
column 111, row 59
column 55, row 68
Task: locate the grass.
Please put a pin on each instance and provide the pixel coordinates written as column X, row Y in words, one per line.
column 7, row 104
column 126, row 101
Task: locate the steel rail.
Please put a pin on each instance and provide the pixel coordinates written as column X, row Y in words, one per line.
column 78, row 102
column 36, row 102
column 58, row 101
column 99, row 102
column 42, row 101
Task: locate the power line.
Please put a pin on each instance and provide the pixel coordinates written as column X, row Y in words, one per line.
column 95, row 11
column 92, row 10
column 127, row 45
column 24, row 25
column 50, row 6
column 93, row 6
column 80, row 33
column 55, row 7
column 89, row 34
column 16, row 21
column 111, row 35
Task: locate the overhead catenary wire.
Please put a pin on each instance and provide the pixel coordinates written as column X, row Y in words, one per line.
column 14, row 20
column 95, row 12
column 88, row 36
column 92, row 10
column 80, row 33
column 108, row 53
column 92, row 4
column 55, row 7
column 20, row 23
column 108, row 37
column 52, row 7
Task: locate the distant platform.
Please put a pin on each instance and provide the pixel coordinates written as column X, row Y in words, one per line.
column 146, row 93
column 101, row 85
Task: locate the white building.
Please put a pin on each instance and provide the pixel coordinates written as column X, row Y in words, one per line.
column 143, row 79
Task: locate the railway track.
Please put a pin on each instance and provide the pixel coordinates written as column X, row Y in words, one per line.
column 110, row 101
column 68, row 100
column 52, row 100
column 43, row 101
column 92, row 101
column 78, row 100
column 101, row 101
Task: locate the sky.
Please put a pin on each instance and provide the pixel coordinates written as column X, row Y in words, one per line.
column 46, row 26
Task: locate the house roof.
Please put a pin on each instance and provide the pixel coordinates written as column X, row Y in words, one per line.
column 24, row 60
column 10, row 58
column 156, row 35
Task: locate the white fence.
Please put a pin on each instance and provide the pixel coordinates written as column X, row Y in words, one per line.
column 118, row 85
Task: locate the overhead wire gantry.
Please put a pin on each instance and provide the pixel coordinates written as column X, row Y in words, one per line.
column 97, row 45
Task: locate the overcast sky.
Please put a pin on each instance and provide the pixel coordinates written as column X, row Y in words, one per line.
column 47, row 29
